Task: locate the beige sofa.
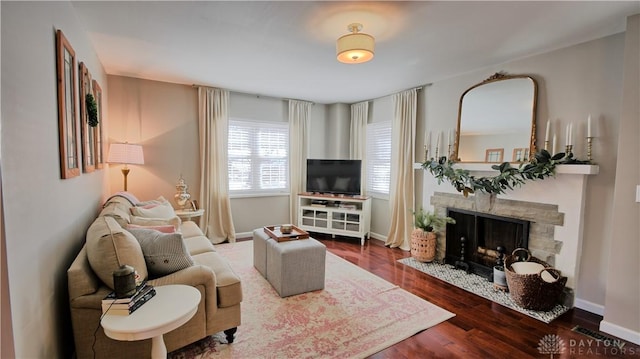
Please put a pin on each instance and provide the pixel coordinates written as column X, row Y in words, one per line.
column 109, row 245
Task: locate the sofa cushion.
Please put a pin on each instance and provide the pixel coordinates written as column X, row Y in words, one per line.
column 164, row 253
column 227, row 281
column 190, row 229
column 164, row 228
column 109, row 247
column 117, row 208
column 198, row 244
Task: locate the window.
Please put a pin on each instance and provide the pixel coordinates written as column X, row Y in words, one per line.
column 258, row 157
column 379, row 157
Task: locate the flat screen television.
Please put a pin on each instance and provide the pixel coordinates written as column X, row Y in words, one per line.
column 334, row 176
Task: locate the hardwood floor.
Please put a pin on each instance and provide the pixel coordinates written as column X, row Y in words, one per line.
column 481, row 328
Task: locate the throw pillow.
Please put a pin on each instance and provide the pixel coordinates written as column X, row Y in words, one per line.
column 159, row 211
column 109, row 246
column 163, row 253
column 166, row 228
column 143, row 221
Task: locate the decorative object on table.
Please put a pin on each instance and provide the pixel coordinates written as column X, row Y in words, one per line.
column 276, row 233
column 124, row 306
column 286, row 228
column 424, row 236
column 540, row 167
column 124, row 281
column 533, row 283
column 67, row 120
column 127, row 154
column 182, row 196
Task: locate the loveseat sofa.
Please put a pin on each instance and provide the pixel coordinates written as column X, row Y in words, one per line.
column 109, row 244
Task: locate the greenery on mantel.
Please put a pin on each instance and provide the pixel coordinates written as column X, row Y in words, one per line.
column 542, row 165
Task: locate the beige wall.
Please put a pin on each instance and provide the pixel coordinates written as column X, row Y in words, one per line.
column 45, row 218
column 622, row 299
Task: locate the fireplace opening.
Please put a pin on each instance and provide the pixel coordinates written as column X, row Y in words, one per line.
column 483, row 234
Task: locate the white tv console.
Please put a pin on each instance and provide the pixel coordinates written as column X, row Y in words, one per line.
column 335, row 214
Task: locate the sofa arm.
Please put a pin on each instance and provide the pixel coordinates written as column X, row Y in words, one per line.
column 198, row 276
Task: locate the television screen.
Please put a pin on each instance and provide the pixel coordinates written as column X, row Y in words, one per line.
column 334, row 176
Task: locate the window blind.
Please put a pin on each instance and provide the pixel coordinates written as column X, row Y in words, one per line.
column 378, row 157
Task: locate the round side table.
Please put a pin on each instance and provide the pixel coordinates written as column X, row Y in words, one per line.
column 187, row 214
column 172, row 306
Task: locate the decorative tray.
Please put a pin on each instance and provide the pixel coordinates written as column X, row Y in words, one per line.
column 275, row 233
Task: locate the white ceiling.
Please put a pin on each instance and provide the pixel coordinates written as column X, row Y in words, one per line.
column 287, row 49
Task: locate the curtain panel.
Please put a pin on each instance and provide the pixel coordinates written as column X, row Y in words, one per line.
column 213, row 126
column 299, row 122
column 401, row 194
column 358, row 143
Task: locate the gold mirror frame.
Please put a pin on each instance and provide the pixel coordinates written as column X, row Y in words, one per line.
column 532, row 136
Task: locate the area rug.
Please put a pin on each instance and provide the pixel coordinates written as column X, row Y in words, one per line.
column 480, row 286
column 356, row 315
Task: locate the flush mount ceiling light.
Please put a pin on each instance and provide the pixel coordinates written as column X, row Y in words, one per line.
column 355, row 48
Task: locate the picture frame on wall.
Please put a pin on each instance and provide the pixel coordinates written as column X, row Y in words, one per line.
column 88, row 133
column 99, row 140
column 69, row 144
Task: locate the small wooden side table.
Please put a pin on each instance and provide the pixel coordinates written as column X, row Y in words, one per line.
column 188, row 214
column 172, row 306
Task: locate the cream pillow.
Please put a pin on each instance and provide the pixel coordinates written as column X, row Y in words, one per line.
column 163, row 210
column 143, row 221
column 109, row 246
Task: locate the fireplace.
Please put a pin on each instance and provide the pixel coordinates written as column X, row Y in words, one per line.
column 486, row 236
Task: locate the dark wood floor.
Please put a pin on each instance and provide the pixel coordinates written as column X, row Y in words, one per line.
column 481, row 328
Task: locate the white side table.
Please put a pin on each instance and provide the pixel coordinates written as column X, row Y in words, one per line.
column 187, row 214
column 172, row 306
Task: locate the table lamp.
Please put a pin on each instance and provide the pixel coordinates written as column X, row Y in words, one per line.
column 126, row 153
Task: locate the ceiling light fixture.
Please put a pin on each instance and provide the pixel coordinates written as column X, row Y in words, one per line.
column 356, row 47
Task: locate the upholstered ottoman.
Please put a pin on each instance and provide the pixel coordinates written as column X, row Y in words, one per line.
column 292, row 267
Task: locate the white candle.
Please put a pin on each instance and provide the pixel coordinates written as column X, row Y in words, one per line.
column 571, row 133
column 589, row 126
column 553, row 148
column 427, row 141
column 449, row 140
column 546, row 136
column 566, row 136
column 438, row 140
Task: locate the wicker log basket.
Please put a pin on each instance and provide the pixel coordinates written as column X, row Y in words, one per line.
column 535, row 291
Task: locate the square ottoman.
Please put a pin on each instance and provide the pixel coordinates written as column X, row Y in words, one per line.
column 292, row 267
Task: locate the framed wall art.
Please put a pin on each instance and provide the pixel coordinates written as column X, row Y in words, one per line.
column 87, row 121
column 67, row 100
column 99, row 141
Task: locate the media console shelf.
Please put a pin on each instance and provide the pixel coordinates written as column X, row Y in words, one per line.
column 336, row 215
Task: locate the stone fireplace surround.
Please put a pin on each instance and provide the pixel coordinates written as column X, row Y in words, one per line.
column 553, row 206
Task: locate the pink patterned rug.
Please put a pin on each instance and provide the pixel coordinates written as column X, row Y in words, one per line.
column 357, row 314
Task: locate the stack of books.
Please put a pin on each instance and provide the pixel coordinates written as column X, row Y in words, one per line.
column 125, row 306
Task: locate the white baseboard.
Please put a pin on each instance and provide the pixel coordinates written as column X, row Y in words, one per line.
column 589, row 306
column 620, row 332
column 378, row 236
column 244, row 235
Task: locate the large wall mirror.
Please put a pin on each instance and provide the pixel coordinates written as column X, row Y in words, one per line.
column 497, row 116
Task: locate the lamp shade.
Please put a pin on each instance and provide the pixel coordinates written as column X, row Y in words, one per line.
column 355, row 48
column 126, row 153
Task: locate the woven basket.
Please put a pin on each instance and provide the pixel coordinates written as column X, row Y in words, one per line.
column 530, row 291
column 423, row 245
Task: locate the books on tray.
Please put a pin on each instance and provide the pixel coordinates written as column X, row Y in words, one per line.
column 125, row 306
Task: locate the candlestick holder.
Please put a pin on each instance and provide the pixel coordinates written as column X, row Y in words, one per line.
column 437, row 157
column 568, row 151
column 589, row 144
column 546, row 145
column 449, row 151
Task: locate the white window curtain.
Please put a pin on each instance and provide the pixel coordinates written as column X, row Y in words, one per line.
column 358, row 144
column 213, row 119
column 299, row 122
column 401, row 197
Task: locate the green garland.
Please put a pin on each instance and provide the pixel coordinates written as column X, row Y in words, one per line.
column 541, row 166
column 92, row 110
